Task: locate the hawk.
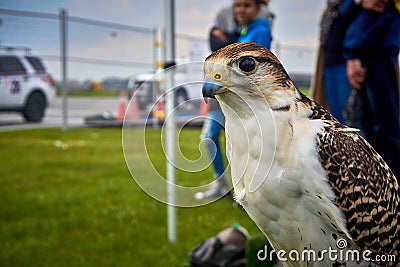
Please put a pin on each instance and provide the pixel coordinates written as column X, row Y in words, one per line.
column 310, row 183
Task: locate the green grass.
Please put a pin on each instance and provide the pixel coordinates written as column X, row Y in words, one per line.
column 115, row 93
column 67, row 199
column 82, row 93
column 305, row 90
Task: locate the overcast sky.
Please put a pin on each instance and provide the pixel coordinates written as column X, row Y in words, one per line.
column 296, row 24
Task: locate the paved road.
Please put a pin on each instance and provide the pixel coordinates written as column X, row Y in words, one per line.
column 78, row 109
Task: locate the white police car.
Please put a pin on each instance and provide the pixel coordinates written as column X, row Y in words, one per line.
column 25, row 84
column 188, row 77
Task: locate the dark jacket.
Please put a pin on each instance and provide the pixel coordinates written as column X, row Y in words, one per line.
column 333, row 44
column 373, row 32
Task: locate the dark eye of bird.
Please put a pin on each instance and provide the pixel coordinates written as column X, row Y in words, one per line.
column 247, row 64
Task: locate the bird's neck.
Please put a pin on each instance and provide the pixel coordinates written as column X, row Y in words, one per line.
column 283, row 98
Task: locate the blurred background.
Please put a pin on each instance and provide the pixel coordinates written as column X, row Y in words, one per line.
column 67, row 197
column 110, row 41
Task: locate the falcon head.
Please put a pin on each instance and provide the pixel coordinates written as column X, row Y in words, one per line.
column 248, row 70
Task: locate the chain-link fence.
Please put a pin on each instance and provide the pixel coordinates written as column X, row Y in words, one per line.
column 106, row 52
column 96, row 50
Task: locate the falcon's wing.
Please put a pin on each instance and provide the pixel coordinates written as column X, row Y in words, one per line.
column 365, row 188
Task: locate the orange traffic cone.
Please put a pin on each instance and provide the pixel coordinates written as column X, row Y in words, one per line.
column 159, row 112
column 121, row 106
column 133, row 112
column 204, row 107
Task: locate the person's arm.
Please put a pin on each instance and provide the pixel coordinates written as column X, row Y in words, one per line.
column 365, row 29
column 355, row 73
column 348, row 10
column 373, row 5
column 218, row 33
column 218, row 37
column 363, row 33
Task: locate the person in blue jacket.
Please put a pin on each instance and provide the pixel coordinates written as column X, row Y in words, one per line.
column 249, row 17
column 254, row 28
column 371, row 47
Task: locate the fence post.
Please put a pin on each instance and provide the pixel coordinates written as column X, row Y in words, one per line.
column 63, row 47
column 170, row 121
column 159, row 63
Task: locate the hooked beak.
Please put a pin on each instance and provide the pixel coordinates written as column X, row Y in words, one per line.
column 211, row 88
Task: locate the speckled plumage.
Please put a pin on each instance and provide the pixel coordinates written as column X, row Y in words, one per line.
column 324, row 177
column 365, row 188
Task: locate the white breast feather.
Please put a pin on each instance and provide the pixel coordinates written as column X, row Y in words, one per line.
column 279, row 180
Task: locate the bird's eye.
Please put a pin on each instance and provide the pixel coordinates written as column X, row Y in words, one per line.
column 247, row 64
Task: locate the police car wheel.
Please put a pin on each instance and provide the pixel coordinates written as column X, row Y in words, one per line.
column 35, row 107
column 181, row 96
